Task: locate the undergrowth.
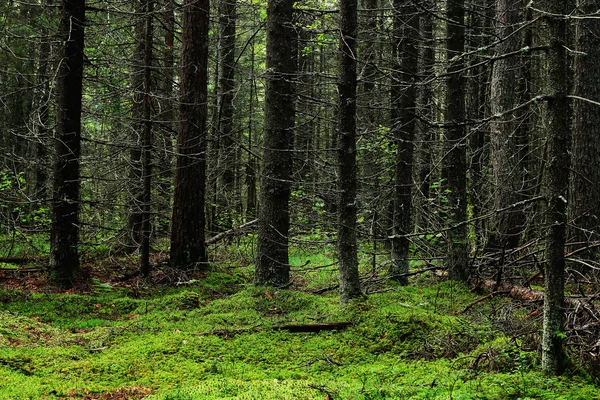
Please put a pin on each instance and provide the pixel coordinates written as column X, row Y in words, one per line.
column 211, row 338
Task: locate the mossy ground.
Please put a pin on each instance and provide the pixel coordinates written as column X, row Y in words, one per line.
column 160, row 342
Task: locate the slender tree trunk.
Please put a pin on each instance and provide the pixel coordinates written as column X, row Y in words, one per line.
column 188, row 231
column 272, row 265
column 347, row 181
column 584, row 193
column 406, row 53
column 135, row 201
column 252, row 167
column 455, row 168
column 552, row 33
column 64, row 256
column 227, row 149
column 426, row 110
column 42, row 114
column 146, row 175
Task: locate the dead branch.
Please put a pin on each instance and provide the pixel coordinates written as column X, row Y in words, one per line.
column 231, row 232
column 293, row 328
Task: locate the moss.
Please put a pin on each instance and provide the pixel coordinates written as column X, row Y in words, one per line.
column 403, row 343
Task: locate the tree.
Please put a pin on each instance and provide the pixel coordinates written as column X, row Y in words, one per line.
column 272, row 265
column 507, row 170
column 347, row 181
column 188, row 232
column 454, row 169
column 584, row 199
column 552, row 34
column 405, row 54
column 226, row 132
column 147, row 139
column 64, row 236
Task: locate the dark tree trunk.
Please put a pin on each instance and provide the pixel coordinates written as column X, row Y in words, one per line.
column 404, row 94
column 455, row 168
column 272, row 265
column 188, row 232
column 147, row 140
column 552, row 33
column 227, row 149
column 427, row 135
column 584, row 193
column 347, row 180
column 64, row 256
column 507, row 167
column 252, row 167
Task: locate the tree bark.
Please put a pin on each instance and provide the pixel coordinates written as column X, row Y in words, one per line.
column 347, row 180
column 507, row 167
column 455, row 168
column 188, row 231
column 64, row 256
column 552, row 33
column 404, row 93
column 272, row 266
column 584, row 201
column 146, row 197
column 227, row 148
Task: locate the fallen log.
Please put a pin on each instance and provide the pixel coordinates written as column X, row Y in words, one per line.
column 292, row 328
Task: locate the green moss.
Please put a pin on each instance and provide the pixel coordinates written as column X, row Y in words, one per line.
column 191, row 342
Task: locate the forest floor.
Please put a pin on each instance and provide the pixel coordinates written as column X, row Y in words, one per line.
column 211, row 335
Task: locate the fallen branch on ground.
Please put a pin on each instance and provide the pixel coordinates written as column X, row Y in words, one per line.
column 293, row 328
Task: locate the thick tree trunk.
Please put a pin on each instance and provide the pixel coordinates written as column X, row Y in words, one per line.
column 347, row 181
column 188, row 230
column 584, row 195
column 64, row 256
column 455, row 165
column 552, row 33
column 404, row 94
column 272, row 265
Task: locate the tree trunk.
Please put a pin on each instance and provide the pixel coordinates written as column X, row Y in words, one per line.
column 584, row 201
column 347, row 181
column 507, row 167
column 455, row 168
column 552, row 33
column 272, row 265
column 147, row 141
column 64, row 256
column 135, row 201
column 404, row 93
column 188, row 231
column 227, row 149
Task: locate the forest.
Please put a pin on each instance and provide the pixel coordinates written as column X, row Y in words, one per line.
column 266, row 199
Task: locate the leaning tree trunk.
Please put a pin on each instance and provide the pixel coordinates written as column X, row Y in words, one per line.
column 64, row 256
column 347, row 179
column 406, row 32
column 556, row 177
column 272, row 264
column 187, row 234
column 455, row 163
